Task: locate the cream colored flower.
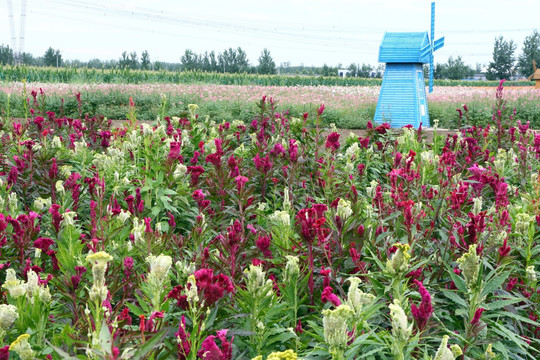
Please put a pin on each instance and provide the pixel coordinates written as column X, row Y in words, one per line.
column 400, row 259
column 8, row 315
column 14, row 286
column 22, row 347
column 444, row 353
column 335, row 326
column 159, row 267
column 344, row 209
column 469, row 263
column 356, row 298
column 400, row 327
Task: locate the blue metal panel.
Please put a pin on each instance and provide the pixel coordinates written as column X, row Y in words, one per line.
column 402, row 99
column 402, row 47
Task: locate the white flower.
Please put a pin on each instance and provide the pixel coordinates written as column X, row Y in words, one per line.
column 344, row 209
column 8, row 315
column 531, row 274
column 400, row 328
column 159, row 266
column 56, row 142
column 60, row 187
column 335, row 326
column 477, row 205
column 123, row 216
column 69, row 217
column 14, row 286
column 356, row 298
column 179, row 171
column 352, row 151
column 281, row 218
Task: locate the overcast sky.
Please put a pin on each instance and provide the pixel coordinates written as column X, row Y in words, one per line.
column 309, row 32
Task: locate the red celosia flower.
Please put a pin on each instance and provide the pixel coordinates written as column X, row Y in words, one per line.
column 43, row 243
column 263, row 243
column 382, row 129
column 332, row 141
column 477, row 315
column 504, row 250
column 210, row 287
column 184, row 345
column 53, row 171
column 196, row 172
column 293, row 150
column 56, row 216
column 210, row 350
column 174, row 152
column 329, row 296
column 422, row 313
column 12, row 176
column 4, row 353
column 321, row 109
column 240, row 182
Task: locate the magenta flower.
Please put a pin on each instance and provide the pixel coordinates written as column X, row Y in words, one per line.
column 332, row 141
column 43, row 243
column 321, row 109
column 504, row 250
column 477, row 314
column 12, row 176
column 240, row 182
column 56, row 216
column 211, row 351
column 212, row 287
column 423, row 312
column 184, row 344
column 53, row 171
column 174, row 152
column 329, row 296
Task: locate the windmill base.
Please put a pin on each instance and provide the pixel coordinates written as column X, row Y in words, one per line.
column 402, row 100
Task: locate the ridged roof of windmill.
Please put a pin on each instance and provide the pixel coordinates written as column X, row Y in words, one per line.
column 403, row 47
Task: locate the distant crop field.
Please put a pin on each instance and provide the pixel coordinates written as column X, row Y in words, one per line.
column 347, row 106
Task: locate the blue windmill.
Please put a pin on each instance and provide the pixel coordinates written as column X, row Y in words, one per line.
column 402, row 99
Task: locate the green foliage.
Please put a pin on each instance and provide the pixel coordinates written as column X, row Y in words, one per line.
column 52, row 57
column 266, row 63
column 530, row 52
column 453, row 69
column 502, row 66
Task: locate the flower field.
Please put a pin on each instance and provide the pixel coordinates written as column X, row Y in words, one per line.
column 200, row 238
column 347, row 106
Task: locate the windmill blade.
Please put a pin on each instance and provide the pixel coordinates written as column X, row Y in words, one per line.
column 439, row 43
column 432, row 47
column 425, row 52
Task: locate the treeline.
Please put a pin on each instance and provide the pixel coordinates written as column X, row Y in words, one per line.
column 505, row 64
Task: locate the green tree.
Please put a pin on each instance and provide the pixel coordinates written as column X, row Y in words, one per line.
column 145, row 60
column 6, row 55
column 124, row 60
column 530, row 52
column 453, row 69
column 52, row 57
column 190, row 61
column 209, row 62
column 502, row 66
column 133, row 61
column 266, row 63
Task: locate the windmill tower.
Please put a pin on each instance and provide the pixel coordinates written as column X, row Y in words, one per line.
column 17, row 53
column 402, row 99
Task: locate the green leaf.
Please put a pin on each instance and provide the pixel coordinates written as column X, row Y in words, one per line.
column 513, row 316
column 62, row 353
column 454, row 297
column 149, row 345
column 501, row 303
column 494, row 283
column 458, row 281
